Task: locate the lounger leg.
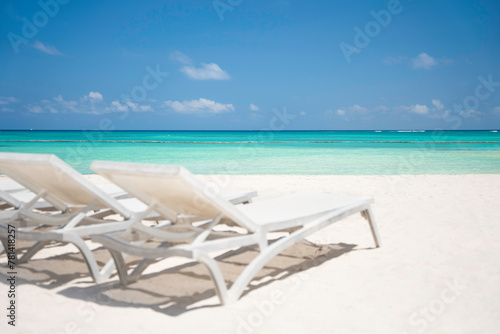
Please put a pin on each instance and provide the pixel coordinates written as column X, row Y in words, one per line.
column 368, row 215
column 3, row 245
column 253, row 268
column 32, row 251
column 137, row 272
column 108, row 269
column 121, row 267
column 87, row 256
column 220, row 284
column 277, row 247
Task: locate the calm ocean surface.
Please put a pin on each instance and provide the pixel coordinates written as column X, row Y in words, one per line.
column 287, row 152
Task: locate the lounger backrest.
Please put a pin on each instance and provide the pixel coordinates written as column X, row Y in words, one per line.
column 173, row 189
column 64, row 187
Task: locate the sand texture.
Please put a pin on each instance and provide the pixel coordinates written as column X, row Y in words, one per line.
column 438, row 271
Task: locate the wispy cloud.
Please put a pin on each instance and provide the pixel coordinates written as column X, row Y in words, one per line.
column 180, row 57
column 136, row 107
column 357, row 108
column 7, row 100
column 436, row 110
column 118, row 106
column 381, row 108
column 470, row 113
column 92, row 103
column 34, row 109
column 423, row 61
column 462, row 113
column 395, row 60
column 210, row 71
column 92, row 97
column 421, row 109
column 129, row 106
column 438, row 104
column 355, row 111
column 200, row 106
column 47, row 48
column 95, row 96
column 67, row 105
column 253, row 107
column 497, row 110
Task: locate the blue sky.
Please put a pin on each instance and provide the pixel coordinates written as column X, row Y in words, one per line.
column 237, row 64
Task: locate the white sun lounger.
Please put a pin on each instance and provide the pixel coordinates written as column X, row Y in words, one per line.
column 172, row 190
column 82, row 207
column 75, row 198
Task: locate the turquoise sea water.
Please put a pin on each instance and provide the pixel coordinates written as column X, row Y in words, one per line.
column 286, row 152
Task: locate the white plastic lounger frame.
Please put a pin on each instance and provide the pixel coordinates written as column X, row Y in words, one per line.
column 12, row 197
column 76, row 198
column 67, row 191
column 8, row 200
column 173, row 190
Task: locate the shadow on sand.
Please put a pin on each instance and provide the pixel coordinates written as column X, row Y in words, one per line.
column 174, row 290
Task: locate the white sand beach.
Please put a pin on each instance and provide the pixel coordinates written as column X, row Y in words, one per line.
column 438, row 271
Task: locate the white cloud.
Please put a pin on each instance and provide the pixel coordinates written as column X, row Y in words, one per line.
column 4, row 109
column 200, row 106
column 118, row 106
column 47, row 48
column 132, row 105
column 180, row 57
column 88, row 104
column 395, row 60
column 302, row 113
column 253, row 107
column 136, row 107
column 92, row 103
column 381, row 108
column 419, row 109
column 67, row 105
column 469, row 113
column 358, row 108
column 128, row 105
column 48, row 105
column 436, row 111
column 34, row 109
column 255, row 116
column 423, row 61
column 95, row 96
column 205, row 72
column 352, row 110
column 438, row 104
column 7, row 100
column 497, row 110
